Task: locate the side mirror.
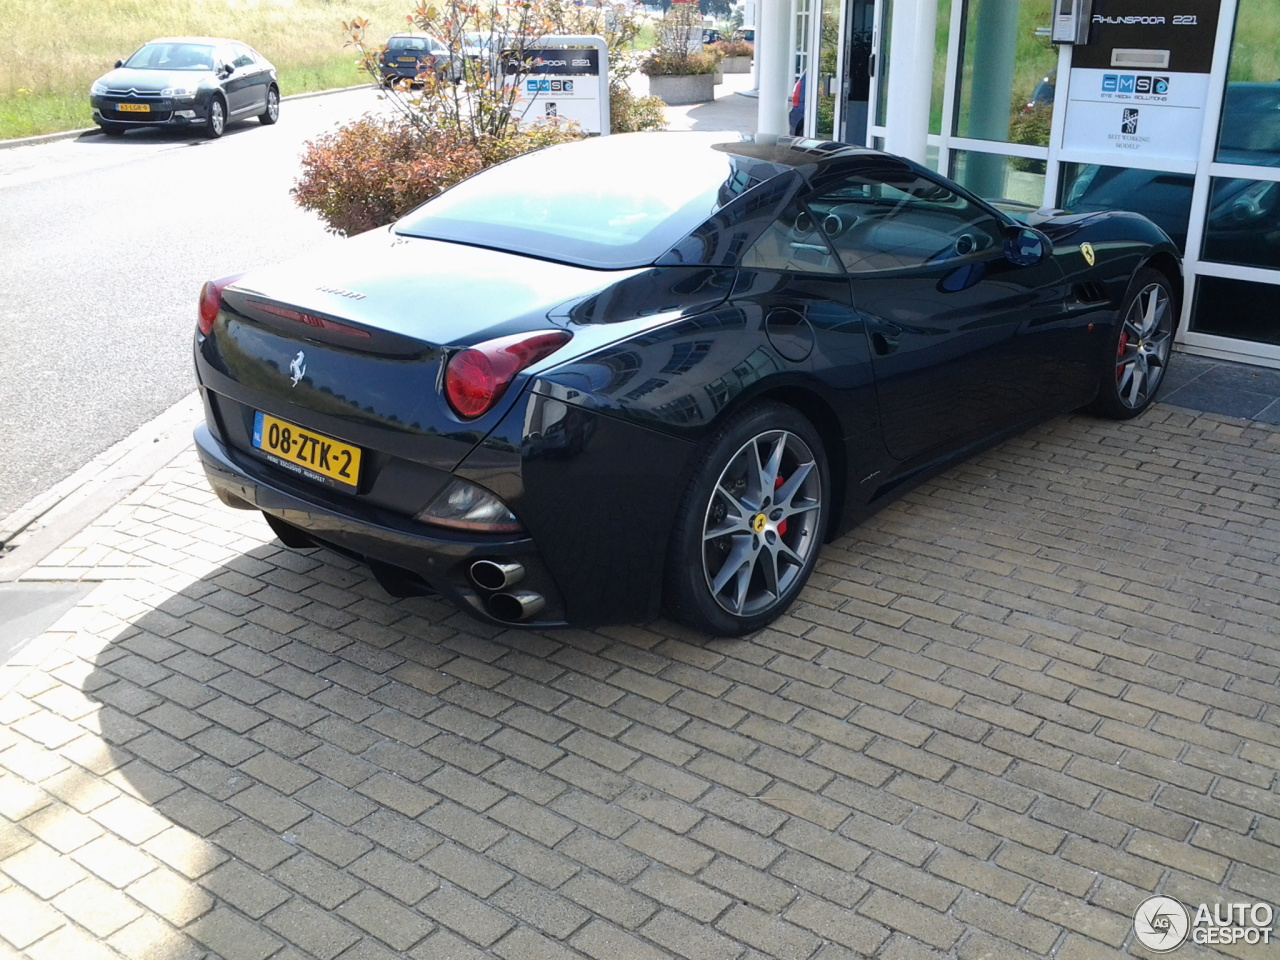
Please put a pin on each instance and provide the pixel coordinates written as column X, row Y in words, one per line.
column 1025, row 247
column 226, row 70
column 119, row 63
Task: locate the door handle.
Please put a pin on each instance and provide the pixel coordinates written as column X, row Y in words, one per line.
column 885, row 341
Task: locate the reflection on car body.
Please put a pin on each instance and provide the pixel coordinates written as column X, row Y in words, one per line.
column 1243, row 214
column 674, row 389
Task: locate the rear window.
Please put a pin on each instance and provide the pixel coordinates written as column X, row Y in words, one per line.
column 407, row 43
column 610, row 202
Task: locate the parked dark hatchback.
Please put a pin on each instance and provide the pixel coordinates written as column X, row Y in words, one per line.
column 568, row 391
column 204, row 82
column 407, row 56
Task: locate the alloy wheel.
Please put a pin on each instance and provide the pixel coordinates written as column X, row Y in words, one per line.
column 761, row 524
column 1143, row 351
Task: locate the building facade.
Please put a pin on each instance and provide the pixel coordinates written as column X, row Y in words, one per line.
column 1168, row 107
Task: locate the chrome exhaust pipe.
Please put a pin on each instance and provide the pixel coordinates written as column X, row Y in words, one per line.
column 491, row 575
column 515, row 607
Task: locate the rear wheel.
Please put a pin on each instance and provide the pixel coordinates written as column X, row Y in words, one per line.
column 272, row 112
column 1135, row 366
column 216, row 124
column 748, row 531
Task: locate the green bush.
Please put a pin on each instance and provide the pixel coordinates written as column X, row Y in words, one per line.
column 629, row 113
column 375, row 169
column 1030, row 127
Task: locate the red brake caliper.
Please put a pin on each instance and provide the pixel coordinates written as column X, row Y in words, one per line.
column 782, row 527
column 1124, row 343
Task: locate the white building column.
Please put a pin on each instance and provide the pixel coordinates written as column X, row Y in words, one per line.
column 910, row 78
column 775, row 61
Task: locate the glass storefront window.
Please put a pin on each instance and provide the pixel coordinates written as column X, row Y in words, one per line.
column 995, row 177
column 1250, row 129
column 1005, row 47
column 1164, row 198
column 1240, row 309
column 1243, row 226
column 883, row 64
column 828, row 60
column 940, row 65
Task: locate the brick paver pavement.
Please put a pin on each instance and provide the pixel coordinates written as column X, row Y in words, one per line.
column 1010, row 707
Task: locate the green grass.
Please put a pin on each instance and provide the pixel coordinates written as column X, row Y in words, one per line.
column 1255, row 52
column 50, row 52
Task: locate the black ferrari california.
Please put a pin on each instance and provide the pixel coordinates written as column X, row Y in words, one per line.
column 657, row 371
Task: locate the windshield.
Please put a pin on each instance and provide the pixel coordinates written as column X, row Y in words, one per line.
column 172, row 56
column 612, row 202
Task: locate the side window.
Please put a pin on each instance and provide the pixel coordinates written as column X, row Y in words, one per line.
column 793, row 242
column 243, row 57
column 902, row 221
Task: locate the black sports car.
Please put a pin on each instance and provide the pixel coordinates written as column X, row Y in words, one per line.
column 204, row 82
column 659, row 369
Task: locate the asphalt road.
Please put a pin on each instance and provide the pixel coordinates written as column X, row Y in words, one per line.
column 104, row 244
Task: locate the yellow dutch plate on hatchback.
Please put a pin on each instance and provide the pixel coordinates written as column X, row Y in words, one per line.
column 314, row 453
column 134, row 107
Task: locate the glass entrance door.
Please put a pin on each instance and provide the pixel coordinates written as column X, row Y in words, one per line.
column 859, row 54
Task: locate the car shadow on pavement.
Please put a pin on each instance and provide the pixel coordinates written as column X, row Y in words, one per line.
column 1007, row 709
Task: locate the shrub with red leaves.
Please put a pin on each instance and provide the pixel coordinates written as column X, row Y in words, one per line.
column 375, row 169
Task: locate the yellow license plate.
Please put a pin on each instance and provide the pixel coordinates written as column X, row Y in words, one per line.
column 407, row 59
column 314, row 452
column 134, row 107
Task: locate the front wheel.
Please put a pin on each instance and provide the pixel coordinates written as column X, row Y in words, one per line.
column 112, row 129
column 748, row 530
column 1134, row 368
column 272, row 112
column 216, row 124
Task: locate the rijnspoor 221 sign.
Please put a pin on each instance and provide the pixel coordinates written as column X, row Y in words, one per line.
column 1138, row 88
column 567, row 77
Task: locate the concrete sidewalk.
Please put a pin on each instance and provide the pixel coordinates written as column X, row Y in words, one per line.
column 1037, row 690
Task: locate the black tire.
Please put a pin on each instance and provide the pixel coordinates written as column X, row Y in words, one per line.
column 740, row 553
column 215, row 124
column 112, row 129
column 1138, row 356
column 272, row 112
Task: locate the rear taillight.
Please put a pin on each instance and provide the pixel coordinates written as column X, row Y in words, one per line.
column 211, row 301
column 476, row 378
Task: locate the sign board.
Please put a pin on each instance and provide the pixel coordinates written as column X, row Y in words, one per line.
column 1138, row 89
column 567, row 77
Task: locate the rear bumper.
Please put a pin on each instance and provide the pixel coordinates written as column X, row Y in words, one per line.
column 405, row 556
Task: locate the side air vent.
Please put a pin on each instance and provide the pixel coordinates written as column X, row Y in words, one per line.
column 1090, row 292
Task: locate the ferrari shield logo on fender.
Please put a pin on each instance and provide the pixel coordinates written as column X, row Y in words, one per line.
column 1089, row 255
